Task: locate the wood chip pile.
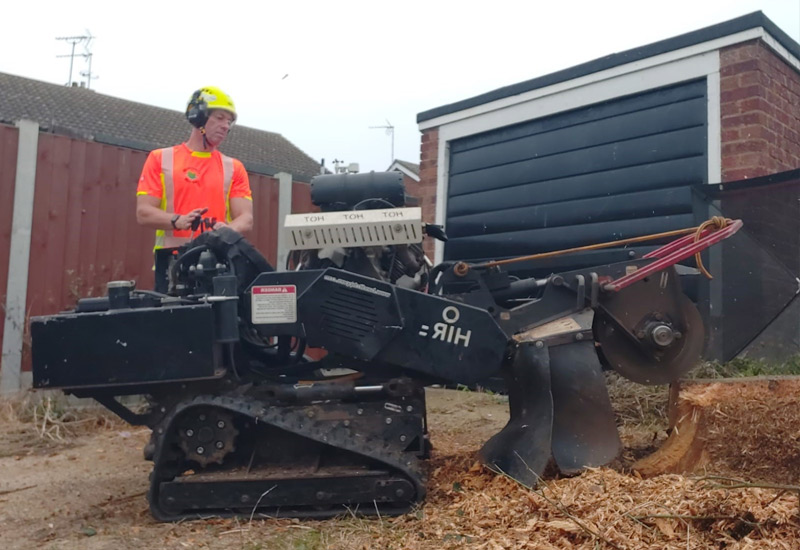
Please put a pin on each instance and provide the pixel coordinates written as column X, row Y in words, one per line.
column 471, row 507
column 739, row 452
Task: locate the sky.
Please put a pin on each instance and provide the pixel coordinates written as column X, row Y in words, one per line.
column 328, row 75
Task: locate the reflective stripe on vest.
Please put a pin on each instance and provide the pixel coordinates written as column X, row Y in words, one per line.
column 227, row 178
column 167, row 238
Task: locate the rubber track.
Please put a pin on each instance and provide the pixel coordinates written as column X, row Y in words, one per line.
column 292, row 419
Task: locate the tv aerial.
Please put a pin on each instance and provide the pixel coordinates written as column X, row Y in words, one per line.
column 86, row 40
column 389, row 132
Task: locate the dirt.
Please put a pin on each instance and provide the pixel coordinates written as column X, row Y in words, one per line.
column 87, row 490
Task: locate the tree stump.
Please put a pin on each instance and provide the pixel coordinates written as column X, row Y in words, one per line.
column 741, row 427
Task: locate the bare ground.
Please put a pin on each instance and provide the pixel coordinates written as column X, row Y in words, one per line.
column 84, row 487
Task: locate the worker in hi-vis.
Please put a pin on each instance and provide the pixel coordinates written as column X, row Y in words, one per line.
column 183, row 184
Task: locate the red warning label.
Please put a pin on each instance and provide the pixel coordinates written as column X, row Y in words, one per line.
column 273, row 304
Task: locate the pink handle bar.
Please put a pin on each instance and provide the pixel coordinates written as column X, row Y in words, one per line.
column 674, row 252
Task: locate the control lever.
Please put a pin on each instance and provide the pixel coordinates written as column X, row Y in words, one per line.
column 198, row 220
column 436, row 231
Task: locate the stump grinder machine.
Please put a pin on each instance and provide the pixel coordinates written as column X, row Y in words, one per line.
column 246, row 420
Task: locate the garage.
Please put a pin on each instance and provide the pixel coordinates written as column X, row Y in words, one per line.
column 626, row 145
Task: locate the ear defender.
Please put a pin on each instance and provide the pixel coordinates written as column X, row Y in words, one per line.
column 197, row 110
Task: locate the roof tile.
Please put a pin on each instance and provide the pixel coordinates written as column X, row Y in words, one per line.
column 91, row 115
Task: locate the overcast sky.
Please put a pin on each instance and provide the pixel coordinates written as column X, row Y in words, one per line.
column 321, row 73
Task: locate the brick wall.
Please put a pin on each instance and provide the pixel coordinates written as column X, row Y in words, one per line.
column 425, row 189
column 760, row 110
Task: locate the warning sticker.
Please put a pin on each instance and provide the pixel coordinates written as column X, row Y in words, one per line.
column 272, row 304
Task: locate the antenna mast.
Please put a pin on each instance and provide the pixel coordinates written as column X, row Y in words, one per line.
column 87, row 55
column 389, row 132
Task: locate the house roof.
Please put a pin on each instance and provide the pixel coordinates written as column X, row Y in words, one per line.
column 84, row 113
column 408, row 168
column 733, row 26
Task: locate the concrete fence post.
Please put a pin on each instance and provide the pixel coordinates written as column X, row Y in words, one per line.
column 19, row 256
column 284, row 209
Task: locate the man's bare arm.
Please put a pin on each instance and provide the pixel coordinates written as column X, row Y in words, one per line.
column 241, row 215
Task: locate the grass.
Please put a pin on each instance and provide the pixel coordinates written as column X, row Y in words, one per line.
column 636, row 404
column 741, row 367
column 647, row 405
column 56, row 416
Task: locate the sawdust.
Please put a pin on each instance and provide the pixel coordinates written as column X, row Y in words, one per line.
column 755, row 428
column 747, row 428
column 90, row 494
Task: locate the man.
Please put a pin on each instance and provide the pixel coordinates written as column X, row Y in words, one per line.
column 193, row 180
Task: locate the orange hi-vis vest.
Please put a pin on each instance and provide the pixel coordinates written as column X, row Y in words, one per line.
column 174, row 238
column 184, row 180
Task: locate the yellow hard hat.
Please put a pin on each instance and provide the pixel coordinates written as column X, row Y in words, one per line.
column 205, row 100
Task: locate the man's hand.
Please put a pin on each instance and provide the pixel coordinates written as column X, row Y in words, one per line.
column 150, row 214
column 184, row 222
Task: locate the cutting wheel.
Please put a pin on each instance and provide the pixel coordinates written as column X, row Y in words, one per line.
column 638, row 359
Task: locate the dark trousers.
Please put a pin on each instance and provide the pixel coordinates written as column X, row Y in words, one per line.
column 163, row 260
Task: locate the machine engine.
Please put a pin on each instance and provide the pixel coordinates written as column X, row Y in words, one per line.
column 364, row 228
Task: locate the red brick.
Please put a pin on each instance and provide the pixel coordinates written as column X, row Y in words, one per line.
column 778, row 79
column 728, row 109
column 748, row 159
column 755, row 104
column 791, row 135
column 773, row 100
column 754, row 78
column 739, row 174
column 728, row 83
column 429, row 146
column 739, row 52
column 756, row 131
column 738, row 68
column 754, row 117
column 731, row 134
column 742, row 93
column 739, row 147
column 774, row 124
column 430, row 135
column 728, row 164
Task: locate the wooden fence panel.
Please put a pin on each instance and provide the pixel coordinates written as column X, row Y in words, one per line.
column 84, row 223
column 9, row 138
column 265, row 213
column 84, row 230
